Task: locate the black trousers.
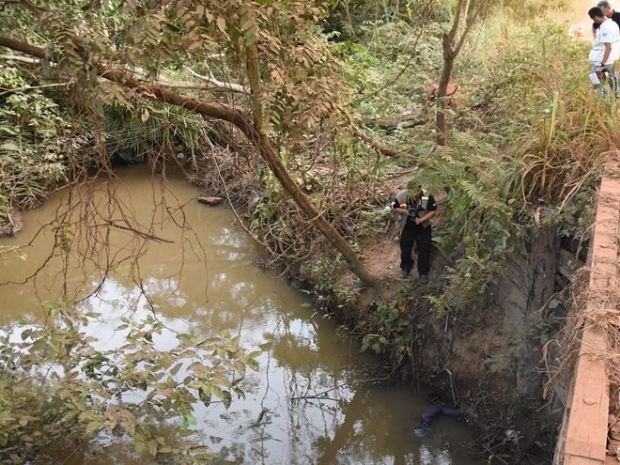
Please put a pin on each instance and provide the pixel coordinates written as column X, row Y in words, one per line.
column 422, row 238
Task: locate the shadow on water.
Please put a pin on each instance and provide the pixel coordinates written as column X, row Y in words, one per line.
column 309, row 403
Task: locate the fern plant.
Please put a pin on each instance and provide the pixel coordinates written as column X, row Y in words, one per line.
column 475, row 184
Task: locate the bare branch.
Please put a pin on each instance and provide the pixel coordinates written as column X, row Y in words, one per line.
column 138, row 233
column 462, row 5
column 29, row 60
column 384, row 150
column 219, row 84
column 468, row 25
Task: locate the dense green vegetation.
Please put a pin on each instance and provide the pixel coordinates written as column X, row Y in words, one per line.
column 302, row 80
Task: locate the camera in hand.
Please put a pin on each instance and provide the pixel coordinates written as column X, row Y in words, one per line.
column 603, row 74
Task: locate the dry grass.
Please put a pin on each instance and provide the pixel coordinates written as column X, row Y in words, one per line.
column 561, row 353
column 575, row 140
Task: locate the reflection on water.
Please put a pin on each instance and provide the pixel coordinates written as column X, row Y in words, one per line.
column 307, row 405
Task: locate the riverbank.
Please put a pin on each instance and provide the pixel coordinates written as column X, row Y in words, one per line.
column 479, row 359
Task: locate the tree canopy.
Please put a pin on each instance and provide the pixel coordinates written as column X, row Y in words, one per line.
column 292, row 79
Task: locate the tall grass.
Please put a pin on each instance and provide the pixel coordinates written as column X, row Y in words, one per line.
column 533, row 97
column 569, row 149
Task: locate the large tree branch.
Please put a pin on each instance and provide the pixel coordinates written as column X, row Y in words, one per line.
column 272, row 158
column 23, row 47
column 213, row 84
column 251, row 125
column 235, row 117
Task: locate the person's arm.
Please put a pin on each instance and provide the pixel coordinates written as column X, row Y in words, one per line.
column 398, row 202
column 426, row 217
column 431, row 210
column 401, row 210
column 452, row 413
column 607, row 53
column 605, row 37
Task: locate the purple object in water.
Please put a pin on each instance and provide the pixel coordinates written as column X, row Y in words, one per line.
column 429, row 415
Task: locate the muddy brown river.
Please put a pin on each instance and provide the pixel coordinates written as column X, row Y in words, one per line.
column 310, row 394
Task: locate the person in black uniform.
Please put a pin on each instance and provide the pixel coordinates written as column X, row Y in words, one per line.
column 417, row 208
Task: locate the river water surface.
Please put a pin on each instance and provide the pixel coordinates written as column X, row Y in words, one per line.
column 310, row 394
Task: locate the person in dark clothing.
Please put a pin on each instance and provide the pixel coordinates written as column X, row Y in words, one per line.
column 417, row 208
column 609, row 12
column 433, row 411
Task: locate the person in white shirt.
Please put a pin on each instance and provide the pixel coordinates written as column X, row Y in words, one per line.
column 605, row 50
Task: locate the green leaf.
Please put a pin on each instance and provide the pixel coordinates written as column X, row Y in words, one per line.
column 253, row 364
column 93, row 427
column 240, row 366
column 226, row 398
column 175, row 369
column 189, row 420
column 248, row 24
column 239, row 393
column 250, row 38
column 204, row 397
column 140, row 446
column 152, row 447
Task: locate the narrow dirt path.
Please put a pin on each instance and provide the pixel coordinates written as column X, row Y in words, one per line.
column 382, row 257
